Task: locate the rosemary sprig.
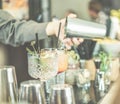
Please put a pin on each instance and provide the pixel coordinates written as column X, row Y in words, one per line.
column 32, row 44
column 34, row 51
column 30, row 51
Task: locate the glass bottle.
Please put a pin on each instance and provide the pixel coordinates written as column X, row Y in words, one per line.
column 97, row 62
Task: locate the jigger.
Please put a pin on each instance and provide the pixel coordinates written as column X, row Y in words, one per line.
column 31, row 92
column 62, row 94
column 8, row 85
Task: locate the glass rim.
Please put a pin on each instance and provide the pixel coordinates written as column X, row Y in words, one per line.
column 7, row 66
column 8, row 69
column 29, row 83
column 52, row 49
column 49, row 49
column 46, row 49
column 34, row 54
column 61, row 86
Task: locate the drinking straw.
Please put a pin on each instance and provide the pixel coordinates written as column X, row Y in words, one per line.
column 37, row 43
column 59, row 34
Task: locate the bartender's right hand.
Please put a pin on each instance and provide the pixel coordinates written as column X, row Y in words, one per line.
column 53, row 28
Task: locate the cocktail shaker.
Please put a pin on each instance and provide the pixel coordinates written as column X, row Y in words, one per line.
column 8, row 85
column 31, row 92
column 62, row 94
column 85, row 29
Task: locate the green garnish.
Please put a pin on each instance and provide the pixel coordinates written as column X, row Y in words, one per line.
column 105, row 60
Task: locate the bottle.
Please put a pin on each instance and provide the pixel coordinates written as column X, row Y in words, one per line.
column 97, row 62
column 85, row 29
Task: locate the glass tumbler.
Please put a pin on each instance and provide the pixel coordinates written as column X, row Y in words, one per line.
column 33, row 61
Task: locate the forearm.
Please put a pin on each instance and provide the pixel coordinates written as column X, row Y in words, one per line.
column 17, row 33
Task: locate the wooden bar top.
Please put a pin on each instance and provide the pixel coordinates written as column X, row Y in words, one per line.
column 113, row 96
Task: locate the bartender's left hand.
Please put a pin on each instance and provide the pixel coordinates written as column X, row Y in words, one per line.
column 54, row 27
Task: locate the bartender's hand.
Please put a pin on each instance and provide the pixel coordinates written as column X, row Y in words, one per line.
column 53, row 27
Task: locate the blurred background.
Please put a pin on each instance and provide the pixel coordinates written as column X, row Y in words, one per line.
column 44, row 11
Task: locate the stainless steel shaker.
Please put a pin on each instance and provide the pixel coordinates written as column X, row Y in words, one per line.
column 85, row 29
column 31, row 92
column 8, row 85
column 62, row 94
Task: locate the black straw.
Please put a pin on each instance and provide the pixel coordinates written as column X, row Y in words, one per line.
column 37, row 43
column 59, row 34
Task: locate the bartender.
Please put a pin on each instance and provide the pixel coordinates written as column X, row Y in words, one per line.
column 16, row 33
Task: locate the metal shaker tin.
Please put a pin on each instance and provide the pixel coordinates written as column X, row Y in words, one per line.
column 85, row 29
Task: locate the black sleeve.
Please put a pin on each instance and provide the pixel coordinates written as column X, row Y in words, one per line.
column 86, row 48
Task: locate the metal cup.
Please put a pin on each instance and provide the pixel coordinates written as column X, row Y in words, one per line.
column 8, row 85
column 62, row 94
column 81, row 28
column 31, row 92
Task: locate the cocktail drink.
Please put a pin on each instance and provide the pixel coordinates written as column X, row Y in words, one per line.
column 48, row 65
column 44, row 66
column 33, row 61
column 62, row 61
column 62, row 66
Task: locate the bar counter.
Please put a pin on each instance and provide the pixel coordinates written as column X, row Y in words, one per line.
column 113, row 96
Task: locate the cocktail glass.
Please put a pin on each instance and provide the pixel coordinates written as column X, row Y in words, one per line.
column 62, row 66
column 43, row 66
